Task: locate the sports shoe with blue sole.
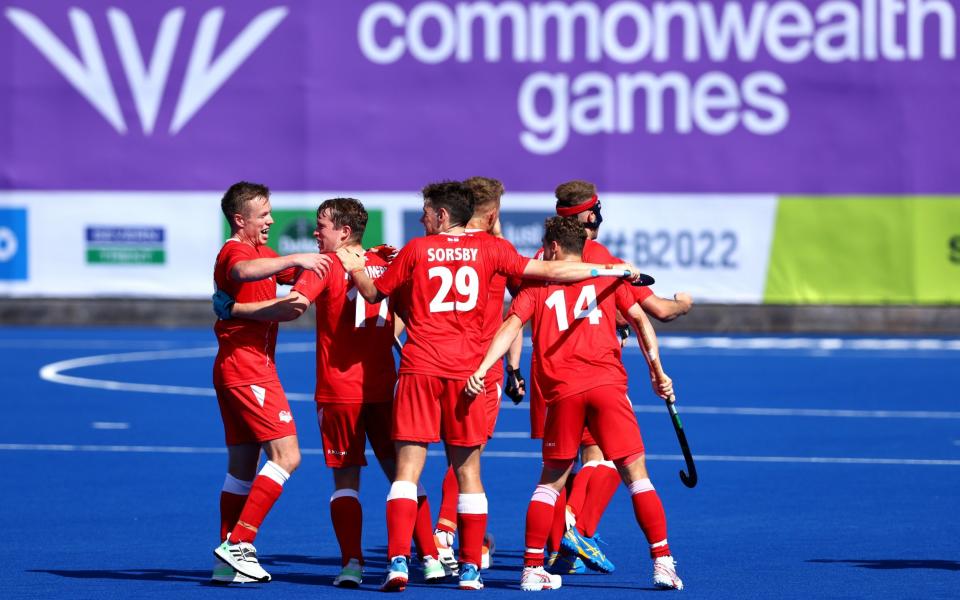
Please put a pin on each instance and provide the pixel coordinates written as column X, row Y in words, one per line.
column 587, row 548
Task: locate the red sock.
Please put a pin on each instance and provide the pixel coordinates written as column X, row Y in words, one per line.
column 603, row 485
column 266, row 489
column 540, row 514
column 472, row 519
column 423, row 530
column 401, row 517
column 578, row 491
column 447, row 519
column 559, row 525
column 231, row 505
column 347, row 517
column 648, row 510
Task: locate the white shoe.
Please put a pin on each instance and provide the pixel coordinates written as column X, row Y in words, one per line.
column 536, row 579
column 224, row 573
column 433, row 571
column 444, row 541
column 665, row 574
column 243, row 558
column 351, row 575
column 486, row 551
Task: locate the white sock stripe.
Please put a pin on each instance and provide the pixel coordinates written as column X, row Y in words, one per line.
column 534, row 550
column 662, row 542
column 402, row 490
column 275, row 472
column 421, row 491
column 545, row 494
column 640, row 486
column 472, row 504
column 232, row 485
column 608, row 463
column 592, row 463
column 345, row 493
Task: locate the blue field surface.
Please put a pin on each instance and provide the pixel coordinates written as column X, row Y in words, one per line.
column 829, row 468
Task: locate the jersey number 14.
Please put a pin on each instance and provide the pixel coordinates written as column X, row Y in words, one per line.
column 584, row 307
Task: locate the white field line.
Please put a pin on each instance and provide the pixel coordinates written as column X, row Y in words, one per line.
column 54, row 372
column 492, row 454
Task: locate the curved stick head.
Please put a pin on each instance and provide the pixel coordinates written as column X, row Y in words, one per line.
column 689, row 480
column 645, row 280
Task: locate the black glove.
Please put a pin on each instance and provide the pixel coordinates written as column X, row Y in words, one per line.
column 623, row 331
column 516, row 385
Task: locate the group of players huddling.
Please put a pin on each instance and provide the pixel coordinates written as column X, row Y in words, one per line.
column 447, row 288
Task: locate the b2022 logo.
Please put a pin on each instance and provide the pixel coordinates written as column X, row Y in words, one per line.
column 13, row 244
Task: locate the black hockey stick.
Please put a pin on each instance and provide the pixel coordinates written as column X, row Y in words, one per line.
column 689, row 479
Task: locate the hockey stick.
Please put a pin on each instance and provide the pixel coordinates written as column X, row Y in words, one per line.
column 688, row 479
column 644, row 279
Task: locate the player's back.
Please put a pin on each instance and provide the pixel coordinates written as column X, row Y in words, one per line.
column 574, row 337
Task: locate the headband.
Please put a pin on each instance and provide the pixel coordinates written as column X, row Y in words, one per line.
column 569, row 211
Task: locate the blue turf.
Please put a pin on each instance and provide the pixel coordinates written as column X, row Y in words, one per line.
column 96, row 522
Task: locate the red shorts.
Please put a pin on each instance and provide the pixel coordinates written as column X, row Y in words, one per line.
column 608, row 414
column 494, row 393
column 255, row 413
column 538, row 416
column 429, row 408
column 345, row 428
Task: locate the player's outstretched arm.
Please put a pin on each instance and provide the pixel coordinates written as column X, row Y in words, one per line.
column 354, row 264
column 278, row 309
column 261, row 268
column 664, row 309
column 571, row 271
column 498, row 347
column 647, row 339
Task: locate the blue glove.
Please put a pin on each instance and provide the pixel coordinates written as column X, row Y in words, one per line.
column 223, row 304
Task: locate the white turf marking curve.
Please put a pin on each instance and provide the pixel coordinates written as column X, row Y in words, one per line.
column 494, row 454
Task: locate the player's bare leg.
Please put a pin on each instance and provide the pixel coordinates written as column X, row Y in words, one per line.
column 346, row 514
column 402, row 509
column 540, row 512
column 283, row 457
column 649, row 513
column 471, row 513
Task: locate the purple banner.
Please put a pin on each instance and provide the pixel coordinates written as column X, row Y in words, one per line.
column 813, row 97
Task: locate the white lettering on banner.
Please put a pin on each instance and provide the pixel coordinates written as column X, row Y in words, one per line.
column 204, row 77
column 451, row 254
column 552, row 105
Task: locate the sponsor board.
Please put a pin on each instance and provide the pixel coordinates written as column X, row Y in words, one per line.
column 125, row 245
column 13, row 244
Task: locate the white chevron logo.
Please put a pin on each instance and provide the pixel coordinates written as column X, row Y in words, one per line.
column 88, row 74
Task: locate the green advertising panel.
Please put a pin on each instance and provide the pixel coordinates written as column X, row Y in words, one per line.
column 292, row 230
column 854, row 250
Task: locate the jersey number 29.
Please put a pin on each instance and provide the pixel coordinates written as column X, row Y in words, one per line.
column 465, row 280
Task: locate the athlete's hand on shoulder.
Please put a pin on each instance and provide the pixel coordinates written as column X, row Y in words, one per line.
column 312, row 261
column 662, row 385
column 516, row 387
column 385, row 251
column 223, row 304
column 685, row 300
column 475, row 385
column 350, row 259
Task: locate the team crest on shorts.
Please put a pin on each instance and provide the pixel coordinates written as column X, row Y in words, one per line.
column 285, row 416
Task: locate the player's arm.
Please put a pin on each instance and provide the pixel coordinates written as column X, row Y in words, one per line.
column 498, row 347
column 664, row 309
column 355, row 265
column 277, row 309
column 261, row 268
column 569, row 271
column 647, row 339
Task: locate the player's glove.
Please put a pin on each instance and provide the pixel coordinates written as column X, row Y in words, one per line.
column 624, row 332
column 516, row 387
column 223, row 304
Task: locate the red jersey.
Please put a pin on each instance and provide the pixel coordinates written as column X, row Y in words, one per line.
column 493, row 318
column 246, row 347
column 575, row 345
column 450, row 277
column 354, row 339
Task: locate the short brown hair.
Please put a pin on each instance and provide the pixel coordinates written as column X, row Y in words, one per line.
column 236, row 198
column 346, row 212
column 454, row 196
column 569, row 232
column 573, row 193
column 486, row 193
